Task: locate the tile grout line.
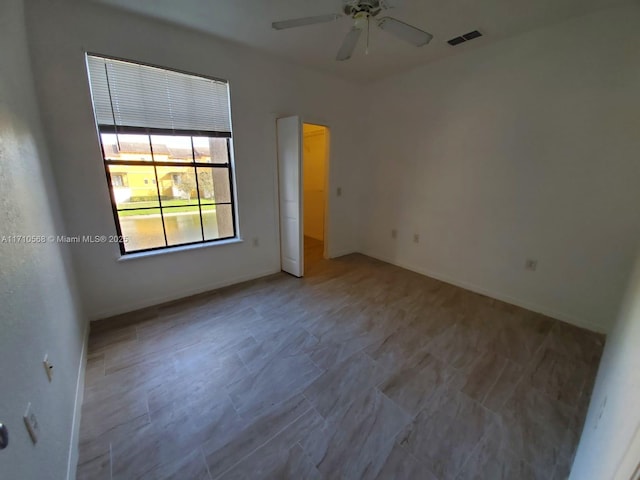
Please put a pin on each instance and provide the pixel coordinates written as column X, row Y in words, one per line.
column 401, row 408
column 304, row 452
column 526, row 367
column 473, row 450
column 535, row 388
column 495, row 382
column 206, row 464
column 262, row 444
column 407, row 452
column 527, row 370
column 110, row 461
column 146, row 398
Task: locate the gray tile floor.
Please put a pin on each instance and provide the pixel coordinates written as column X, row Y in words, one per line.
column 359, row 370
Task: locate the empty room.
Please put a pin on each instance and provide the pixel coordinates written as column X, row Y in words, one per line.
column 329, row 239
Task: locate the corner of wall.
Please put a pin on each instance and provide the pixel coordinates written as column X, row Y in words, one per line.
column 77, row 407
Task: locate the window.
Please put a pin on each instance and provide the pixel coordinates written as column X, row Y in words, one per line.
column 167, row 150
column 117, row 180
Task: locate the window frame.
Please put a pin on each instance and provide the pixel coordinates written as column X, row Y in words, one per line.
column 119, row 129
column 162, row 131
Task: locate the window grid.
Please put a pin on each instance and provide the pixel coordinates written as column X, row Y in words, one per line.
column 148, row 132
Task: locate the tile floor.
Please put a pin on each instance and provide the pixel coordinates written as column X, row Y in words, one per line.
column 359, row 370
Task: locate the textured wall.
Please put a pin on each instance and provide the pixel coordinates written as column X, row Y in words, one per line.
column 526, row 148
column 261, row 89
column 39, row 311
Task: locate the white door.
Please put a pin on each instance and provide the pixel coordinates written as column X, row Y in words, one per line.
column 290, row 185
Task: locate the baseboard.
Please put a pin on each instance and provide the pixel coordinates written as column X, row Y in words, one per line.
column 578, row 322
column 72, row 462
column 341, row 253
column 151, row 301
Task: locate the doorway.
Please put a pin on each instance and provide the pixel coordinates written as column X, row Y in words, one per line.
column 314, row 192
column 303, row 173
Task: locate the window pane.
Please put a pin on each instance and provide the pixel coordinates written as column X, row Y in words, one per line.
column 142, row 229
column 214, row 185
column 171, row 148
column 210, row 150
column 182, row 224
column 177, row 186
column 218, row 221
column 126, row 147
column 134, row 186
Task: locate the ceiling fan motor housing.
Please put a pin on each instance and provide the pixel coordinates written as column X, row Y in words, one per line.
column 362, row 8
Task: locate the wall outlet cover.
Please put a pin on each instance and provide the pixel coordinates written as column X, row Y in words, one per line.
column 48, row 367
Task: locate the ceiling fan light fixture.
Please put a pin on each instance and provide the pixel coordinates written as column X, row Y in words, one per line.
column 360, row 20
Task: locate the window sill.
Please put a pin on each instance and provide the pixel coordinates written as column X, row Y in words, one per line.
column 184, row 248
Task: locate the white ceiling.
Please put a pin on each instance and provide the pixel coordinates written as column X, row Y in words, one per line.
column 249, row 22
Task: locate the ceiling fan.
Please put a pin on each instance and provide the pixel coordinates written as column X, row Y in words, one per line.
column 362, row 12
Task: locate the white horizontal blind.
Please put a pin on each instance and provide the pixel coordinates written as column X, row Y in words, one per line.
column 132, row 95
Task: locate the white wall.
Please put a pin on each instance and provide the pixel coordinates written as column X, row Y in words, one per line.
column 614, row 416
column 39, row 310
column 527, row 148
column 261, row 89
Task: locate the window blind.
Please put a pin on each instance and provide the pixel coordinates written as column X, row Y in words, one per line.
column 132, row 95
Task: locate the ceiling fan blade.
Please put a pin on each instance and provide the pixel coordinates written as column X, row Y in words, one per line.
column 349, row 44
column 387, row 4
column 404, row 31
column 301, row 22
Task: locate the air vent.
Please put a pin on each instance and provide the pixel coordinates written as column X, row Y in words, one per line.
column 456, row 41
column 464, row 38
column 472, row 35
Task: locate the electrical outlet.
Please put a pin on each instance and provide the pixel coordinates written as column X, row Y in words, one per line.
column 339, row 191
column 31, row 422
column 394, row 233
column 256, row 242
column 531, row 264
column 416, row 238
column 48, row 367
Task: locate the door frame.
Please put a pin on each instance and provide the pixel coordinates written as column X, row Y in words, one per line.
column 327, row 183
column 289, row 163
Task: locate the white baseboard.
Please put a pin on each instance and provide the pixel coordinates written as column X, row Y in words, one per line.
column 341, row 253
column 496, row 295
column 72, row 461
column 151, row 301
